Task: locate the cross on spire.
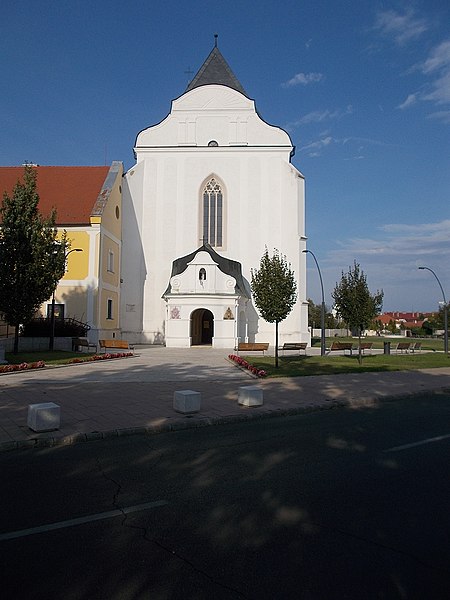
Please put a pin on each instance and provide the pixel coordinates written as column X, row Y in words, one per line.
column 189, row 72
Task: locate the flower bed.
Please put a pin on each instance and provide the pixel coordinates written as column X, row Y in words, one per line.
column 40, row 364
column 246, row 365
column 22, row 367
column 107, row 355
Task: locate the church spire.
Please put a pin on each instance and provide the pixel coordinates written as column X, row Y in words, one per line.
column 215, row 70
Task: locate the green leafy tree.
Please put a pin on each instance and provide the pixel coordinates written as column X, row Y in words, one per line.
column 437, row 319
column 274, row 290
column 354, row 302
column 32, row 261
column 315, row 316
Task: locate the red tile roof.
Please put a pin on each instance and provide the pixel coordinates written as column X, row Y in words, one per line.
column 73, row 191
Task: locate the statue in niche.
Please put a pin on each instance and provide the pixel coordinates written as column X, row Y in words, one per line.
column 228, row 314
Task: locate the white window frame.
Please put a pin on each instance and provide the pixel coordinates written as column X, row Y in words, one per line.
column 212, row 212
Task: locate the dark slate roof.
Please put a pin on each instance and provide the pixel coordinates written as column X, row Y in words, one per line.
column 226, row 265
column 216, row 70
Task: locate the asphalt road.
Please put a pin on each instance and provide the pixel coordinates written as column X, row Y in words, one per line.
column 345, row 503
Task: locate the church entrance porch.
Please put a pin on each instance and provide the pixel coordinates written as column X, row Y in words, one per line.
column 202, row 327
column 203, row 298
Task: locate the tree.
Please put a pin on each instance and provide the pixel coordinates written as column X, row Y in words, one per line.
column 274, row 290
column 355, row 304
column 32, row 261
column 315, row 316
column 437, row 319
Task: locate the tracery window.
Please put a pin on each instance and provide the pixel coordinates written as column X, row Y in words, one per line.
column 213, row 213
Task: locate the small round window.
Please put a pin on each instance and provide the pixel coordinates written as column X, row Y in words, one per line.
column 213, row 143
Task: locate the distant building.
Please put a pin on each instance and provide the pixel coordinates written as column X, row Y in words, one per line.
column 88, row 201
column 404, row 320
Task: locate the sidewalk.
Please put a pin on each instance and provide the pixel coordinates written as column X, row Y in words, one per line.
column 134, row 395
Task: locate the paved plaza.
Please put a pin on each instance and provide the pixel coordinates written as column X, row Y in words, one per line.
column 135, row 395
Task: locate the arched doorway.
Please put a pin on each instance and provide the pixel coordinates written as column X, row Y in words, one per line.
column 202, row 327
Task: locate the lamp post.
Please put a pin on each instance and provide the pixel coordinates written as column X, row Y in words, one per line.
column 445, row 308
column 322, row 313
column 52, row 316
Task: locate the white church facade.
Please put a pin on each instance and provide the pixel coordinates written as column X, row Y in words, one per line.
column 213, row 186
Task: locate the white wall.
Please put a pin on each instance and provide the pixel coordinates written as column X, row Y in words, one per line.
column 264, row 196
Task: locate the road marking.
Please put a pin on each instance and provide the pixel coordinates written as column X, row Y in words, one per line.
column 421, row 443
column 81, row 520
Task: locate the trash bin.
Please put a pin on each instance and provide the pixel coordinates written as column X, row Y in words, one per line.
column 387, row 347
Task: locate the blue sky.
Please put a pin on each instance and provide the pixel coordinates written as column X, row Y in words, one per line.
column 363, row 87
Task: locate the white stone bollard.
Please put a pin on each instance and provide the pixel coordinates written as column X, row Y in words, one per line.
column 250, row 395
column 44, row 417
column 186, row 401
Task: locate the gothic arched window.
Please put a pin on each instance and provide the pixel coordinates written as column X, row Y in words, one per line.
column 213, row 213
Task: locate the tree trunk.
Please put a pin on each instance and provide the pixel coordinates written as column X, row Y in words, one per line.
column 16, row 339
column 276, row 344
column 359, row 346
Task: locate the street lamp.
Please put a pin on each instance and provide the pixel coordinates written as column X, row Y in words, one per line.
column 322, row 313
column 445, row 309
column 52, row 316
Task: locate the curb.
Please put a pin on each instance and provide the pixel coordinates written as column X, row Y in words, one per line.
column 198, row 422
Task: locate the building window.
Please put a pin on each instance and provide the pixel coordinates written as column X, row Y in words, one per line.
column 109, row 309
column 202, row 274
column 59, row 311
column 110, row 266
column 213, row 213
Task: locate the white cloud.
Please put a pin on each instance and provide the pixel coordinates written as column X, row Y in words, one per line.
column 390, row 262
column 410, row 100
column 355, row 145
column 441, row 228
column 303, row 79
column 438, row 64
column 318, row 116
column 437, row 68
column 439, row 58
column 401, row 245
column 315, row 146
column 402, row 27
column 441, row 115
column 441, row 89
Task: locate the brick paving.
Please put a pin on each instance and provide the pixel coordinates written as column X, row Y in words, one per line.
column 134, row 395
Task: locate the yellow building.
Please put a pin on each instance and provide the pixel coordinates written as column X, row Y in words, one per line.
column 88, row 203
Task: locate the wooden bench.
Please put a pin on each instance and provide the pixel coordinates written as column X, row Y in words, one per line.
column 294, row 346
column 365, row 346
column 252, row 347
column 78, row 343
column 416, row 346
column 343, row 346
column 403, row 347
column 115, row 345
